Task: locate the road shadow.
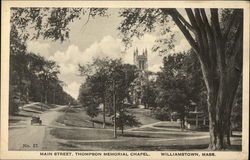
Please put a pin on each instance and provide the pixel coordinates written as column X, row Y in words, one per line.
column 135, row 136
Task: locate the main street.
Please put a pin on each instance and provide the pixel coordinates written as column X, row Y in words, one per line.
column 52, row 135
column 30, row 137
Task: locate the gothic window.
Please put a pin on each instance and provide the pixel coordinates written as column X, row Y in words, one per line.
column 142, row 65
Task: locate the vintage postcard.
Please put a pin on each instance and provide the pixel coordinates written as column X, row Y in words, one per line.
column 125, row 80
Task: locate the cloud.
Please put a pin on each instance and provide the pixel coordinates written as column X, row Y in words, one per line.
column 38, row 48
column 73, row 89
column 110, row 47
column 183, row 45
column 69, row 59
column 155, row 68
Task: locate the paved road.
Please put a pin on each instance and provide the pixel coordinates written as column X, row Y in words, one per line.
column 30, row 137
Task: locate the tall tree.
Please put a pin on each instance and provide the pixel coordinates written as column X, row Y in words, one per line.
column 173, row 82
column 107, row 78
column 48, row 76
column 98, row 75
column 218, row 44
column 89, row 100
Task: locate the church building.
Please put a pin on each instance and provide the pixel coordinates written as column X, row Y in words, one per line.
column 137, row 90
column 141, row 60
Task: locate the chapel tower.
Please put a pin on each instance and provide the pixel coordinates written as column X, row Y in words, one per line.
column 141, row 60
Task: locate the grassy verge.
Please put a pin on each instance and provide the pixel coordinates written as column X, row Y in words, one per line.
column 129, row 141
column 77, row 117
column 103, row 134
column 159, row 130
column 136, row 142
column 143, row 116
column 27, row 111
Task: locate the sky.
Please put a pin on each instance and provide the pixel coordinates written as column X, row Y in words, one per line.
column 98, row 38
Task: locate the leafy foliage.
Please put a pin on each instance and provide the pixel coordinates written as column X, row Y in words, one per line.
column 177, row 85
column 126, row 119
column 49, row 23
column 106, row 78
column 33, row 78
column 162, row 114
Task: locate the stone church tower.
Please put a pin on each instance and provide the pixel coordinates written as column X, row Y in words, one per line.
column 141, row 61
column 138, row 91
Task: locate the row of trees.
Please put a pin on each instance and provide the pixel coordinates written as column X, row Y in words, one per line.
column 32, row 77
column 107, row 83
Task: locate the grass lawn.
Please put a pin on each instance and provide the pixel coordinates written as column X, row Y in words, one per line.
column 28, row 111
column 17, row 120
column 145, row 145
column 166, row 135
column 130, row 141
column 38, row 107
column 158, row 129
column 77, row 117
column 168, row 125
column 143, row 115
column 103, row 134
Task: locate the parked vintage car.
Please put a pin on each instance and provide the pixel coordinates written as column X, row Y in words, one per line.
column 36, row 119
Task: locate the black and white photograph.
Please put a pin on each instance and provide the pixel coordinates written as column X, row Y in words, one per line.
column 126, row 79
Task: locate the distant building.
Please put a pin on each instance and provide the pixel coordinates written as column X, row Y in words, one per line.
column 141, row 60
column 194, row 118
column 137, row 90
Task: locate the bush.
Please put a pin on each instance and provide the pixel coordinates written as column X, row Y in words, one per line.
column 162, row 114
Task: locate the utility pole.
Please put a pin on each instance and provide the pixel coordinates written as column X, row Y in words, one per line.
column 114, row 105
column 104, row 106
column 54, row 96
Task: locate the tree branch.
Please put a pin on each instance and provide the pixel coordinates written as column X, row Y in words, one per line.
column 183, row 20
column 230, row 23
column 238, row 42
column 87, row 20
column 210, row 38
column 218, row 39
column 191, row 18
column 186, row 33
column 198, row 35
column 203, row 36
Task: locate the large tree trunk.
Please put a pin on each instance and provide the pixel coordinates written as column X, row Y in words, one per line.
column 221, row 95
column 219, row 51
column 54, row 97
